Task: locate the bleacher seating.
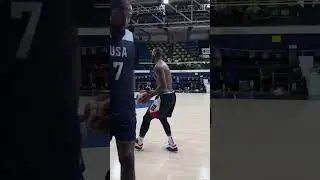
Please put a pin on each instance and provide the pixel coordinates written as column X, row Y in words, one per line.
column 179, row 56
column 185, row 52
column 182, row 81
column 181, row 51
column 269, row 14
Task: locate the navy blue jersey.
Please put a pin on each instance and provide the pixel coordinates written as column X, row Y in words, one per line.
column 122, row 60
column 39, row 89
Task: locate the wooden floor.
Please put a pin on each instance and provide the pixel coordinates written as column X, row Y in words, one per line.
column 250, row 139
column 191, row 132
column 265, row 140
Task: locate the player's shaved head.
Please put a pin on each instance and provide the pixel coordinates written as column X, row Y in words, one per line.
column 157, row 52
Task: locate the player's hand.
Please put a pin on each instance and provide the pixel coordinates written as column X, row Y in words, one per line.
column 97, row 115
column 145, row 97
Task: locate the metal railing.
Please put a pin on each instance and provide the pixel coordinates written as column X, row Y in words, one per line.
column 263, row 3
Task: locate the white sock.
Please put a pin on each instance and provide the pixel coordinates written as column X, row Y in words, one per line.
column 140, row 140
column 170, row 140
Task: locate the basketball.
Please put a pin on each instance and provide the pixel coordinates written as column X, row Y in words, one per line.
column 144, row 97
column 139, row 95
column 96, row 114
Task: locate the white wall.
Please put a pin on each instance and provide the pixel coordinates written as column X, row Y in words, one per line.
column 306, row 63
column 199, row 36
column 314, row 86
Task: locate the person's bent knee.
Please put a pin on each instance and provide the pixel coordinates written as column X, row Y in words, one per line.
column 147, row 116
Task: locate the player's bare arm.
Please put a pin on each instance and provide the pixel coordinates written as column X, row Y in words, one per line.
column 161, row 81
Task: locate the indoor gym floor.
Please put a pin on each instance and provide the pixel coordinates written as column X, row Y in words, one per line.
column 191, row 131
column 265, row 140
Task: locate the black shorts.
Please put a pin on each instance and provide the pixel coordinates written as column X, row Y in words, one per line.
column 163, row 105
column 123, row 126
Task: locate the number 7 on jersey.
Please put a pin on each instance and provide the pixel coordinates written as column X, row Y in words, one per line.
column 17, row 10
column 119, row 66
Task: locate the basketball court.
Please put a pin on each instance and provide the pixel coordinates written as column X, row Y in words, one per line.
column 191, row 131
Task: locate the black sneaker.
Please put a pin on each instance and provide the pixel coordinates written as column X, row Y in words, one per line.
column 137, row 145
column 172, row 148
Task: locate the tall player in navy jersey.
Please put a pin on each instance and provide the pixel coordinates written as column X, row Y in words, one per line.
column 40, row 136
column 121, row 63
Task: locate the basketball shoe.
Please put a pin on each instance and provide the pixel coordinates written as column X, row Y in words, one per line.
column 172, row 147
column 138, row 145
